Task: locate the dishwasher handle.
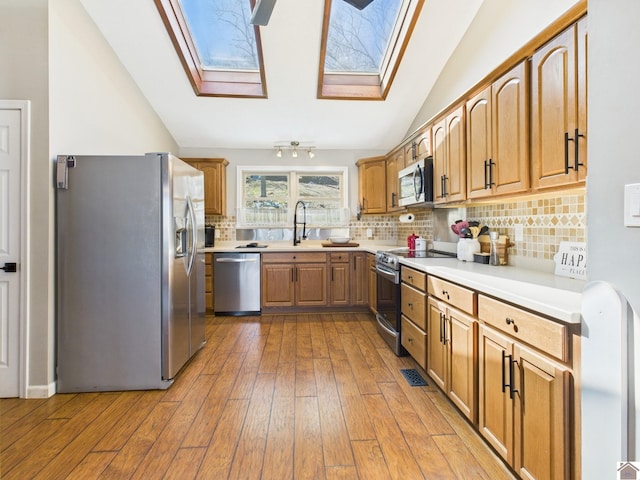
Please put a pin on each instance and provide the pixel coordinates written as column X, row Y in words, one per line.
column 235, row 260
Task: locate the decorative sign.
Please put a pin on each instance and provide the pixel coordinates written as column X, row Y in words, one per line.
column 571, row 260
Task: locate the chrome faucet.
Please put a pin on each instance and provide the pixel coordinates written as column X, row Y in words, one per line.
column 296, row 240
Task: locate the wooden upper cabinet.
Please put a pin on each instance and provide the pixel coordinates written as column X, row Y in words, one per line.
column 372, row 184
column 558, row 110
column 418, row 148
column 449, row 157
column 497, row 129
column 395, row 163
column 215, row 183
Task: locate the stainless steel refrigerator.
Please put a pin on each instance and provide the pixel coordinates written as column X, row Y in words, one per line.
column 130, row 270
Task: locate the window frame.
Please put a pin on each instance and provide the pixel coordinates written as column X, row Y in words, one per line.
column 292, row 172
column 209, row 82
column 363, row 86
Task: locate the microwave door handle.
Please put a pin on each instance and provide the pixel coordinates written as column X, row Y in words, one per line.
column 418, row 182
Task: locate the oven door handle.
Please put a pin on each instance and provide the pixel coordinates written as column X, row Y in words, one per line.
column 389, row 275
column 386, row 328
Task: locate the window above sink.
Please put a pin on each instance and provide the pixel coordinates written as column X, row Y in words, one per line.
column 266, row 195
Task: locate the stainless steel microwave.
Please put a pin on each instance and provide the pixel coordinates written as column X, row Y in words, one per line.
column 415, row 183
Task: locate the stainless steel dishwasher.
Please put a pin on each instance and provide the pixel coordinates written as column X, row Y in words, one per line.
column 236, row 283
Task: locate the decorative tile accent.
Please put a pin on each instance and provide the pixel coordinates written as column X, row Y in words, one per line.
column 546, row 221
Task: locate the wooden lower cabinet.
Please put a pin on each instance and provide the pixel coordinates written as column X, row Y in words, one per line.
column 413, row 304
column 414, row 339
column 524, row 406
column 292, row 279
column 451, row 355
column 339, row 272
column 359, row 279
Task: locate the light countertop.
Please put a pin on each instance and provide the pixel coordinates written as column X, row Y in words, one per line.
column 546, row 293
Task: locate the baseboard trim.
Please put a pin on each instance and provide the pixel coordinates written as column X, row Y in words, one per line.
column 41, row 391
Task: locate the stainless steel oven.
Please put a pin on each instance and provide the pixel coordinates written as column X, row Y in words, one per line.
column 388, row 301
column 388, row 306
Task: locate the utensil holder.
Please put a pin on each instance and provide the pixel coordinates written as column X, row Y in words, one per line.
column 466, row 248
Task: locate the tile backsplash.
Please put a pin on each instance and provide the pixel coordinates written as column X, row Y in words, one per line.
column 546, row 222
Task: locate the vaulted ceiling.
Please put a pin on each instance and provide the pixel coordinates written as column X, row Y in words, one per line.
column 291, row 50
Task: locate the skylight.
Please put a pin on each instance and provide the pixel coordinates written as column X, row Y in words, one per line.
column 358, row 39
column 223, row 36
column 219, row 48
column 221, row 52
column 361, row 49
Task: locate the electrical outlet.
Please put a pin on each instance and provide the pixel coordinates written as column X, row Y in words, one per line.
column 519, row 232
column 369, row 233
column 217, row 233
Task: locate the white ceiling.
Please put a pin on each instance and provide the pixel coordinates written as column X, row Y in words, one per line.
column 291, row 46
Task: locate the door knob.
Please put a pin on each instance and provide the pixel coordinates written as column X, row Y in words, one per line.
column 9, row 267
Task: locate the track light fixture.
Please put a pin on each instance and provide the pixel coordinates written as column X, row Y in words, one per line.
column 294, row 146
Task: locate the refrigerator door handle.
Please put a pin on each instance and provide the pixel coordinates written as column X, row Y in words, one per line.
column 191, row 227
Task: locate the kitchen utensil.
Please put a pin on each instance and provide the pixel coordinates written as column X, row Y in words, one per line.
column 484, row 230
column 474, row 223
column 465, row 232
column 474, row 231
column 455, row 229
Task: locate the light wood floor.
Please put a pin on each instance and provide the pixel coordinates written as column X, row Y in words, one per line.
column 272, row 397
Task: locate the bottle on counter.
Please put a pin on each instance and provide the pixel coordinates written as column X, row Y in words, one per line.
column 411, row 241
column 494, row 257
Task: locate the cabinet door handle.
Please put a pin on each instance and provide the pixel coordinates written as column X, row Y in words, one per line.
column 441, row 327
column 393, row 199
column 444, row 329
column 491, row 165
column 512, row 390
column 566, row 153
column 576, row 160
column 504, row 375
column 487, row 185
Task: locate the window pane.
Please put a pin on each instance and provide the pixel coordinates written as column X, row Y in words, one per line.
column 266, row 191
column 327, row 186
column 223, row 33
column 358, row 39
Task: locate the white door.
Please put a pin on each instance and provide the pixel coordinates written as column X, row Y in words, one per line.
column 10, row 180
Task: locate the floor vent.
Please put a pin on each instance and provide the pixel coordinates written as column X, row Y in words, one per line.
column 413, row 377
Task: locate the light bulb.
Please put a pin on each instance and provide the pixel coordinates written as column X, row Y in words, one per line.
column 294, row 153
column 279, row 153
column 310, row 153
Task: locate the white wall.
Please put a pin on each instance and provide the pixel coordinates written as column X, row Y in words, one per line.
column 339, row 158
column 82, row 101
column 613, row 250
column 24, row 67
column 499, row 29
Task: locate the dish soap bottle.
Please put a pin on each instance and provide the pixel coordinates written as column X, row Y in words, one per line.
column 494, row 258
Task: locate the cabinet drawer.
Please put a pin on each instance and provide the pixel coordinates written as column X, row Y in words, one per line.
column 548, row 336
column 341, row 257
column 414, row 278
column 414, row 305
column 294, row 257
column 460, row 297
column 415, row 341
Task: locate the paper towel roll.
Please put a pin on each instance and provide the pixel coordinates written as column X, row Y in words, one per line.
column 406, row 218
